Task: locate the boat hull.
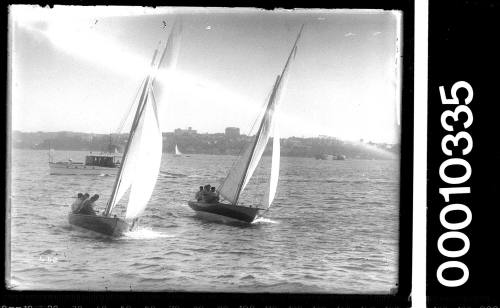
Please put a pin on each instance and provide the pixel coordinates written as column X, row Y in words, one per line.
column 237, row 212
column 80, row 169
column 111, row 226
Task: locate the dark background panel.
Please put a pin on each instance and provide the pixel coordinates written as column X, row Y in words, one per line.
column 463, row 46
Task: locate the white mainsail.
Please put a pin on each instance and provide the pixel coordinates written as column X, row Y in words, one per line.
column 232, row 185
column 141, row 163
column 131, row 156
column 149, row 137
column 243, row 170
column 275, row 164
column 260, row 145
column 142, row 157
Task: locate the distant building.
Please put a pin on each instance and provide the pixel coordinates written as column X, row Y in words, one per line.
column 189, row 131
column 232, row 132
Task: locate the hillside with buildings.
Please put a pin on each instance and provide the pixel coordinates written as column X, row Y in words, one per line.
column 189, row 141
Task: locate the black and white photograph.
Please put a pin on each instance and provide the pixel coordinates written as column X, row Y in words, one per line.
column 191, row 149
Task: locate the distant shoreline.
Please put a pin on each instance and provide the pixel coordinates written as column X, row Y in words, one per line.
column 190, row 142
column 208, row 154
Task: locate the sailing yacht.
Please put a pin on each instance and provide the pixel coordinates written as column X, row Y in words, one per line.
column 239, row 176
column 177, row 152
column 141, row 160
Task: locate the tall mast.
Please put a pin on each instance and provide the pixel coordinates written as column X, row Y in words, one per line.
column 135, row 122
column 271, row 101
column 292, row 52
column 140, row 108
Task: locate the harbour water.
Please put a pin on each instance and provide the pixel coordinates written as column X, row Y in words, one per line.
column 333, row 228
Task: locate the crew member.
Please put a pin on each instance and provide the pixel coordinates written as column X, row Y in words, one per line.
column 198, row 195
column 76, row 204
column 87, row 206
column 84, row 197
column 205, row 195
column 214, row 195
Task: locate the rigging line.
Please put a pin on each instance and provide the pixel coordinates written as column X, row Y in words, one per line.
column 277, row 86
column 146, row 87
column 140, row 109
column 244, row 148
column 237, row 160
column 293, row 52
column 155, row 107
column 272, row 103
column 153, row 65
column 127, row 114
column 169, row 42
column 271, row 98
column 238, row 157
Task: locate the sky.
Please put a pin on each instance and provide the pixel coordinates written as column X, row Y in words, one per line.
column 79, row 69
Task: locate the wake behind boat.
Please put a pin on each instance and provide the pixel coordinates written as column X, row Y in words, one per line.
column 233, row 185
column 141, row 161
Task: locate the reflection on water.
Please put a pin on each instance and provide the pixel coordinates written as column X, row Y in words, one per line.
column 145, row 234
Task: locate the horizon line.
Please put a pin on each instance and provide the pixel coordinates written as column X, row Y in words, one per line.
column 320, row 136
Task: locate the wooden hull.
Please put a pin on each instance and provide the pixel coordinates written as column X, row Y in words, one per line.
column 80, row 169
column 110, row 226
column 241, row 213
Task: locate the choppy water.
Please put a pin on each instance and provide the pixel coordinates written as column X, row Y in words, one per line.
column 333, row 227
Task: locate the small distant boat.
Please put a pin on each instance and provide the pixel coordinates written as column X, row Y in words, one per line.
column 339, row 157
column 239, row 176
column 177, row 152
column 140, row 165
